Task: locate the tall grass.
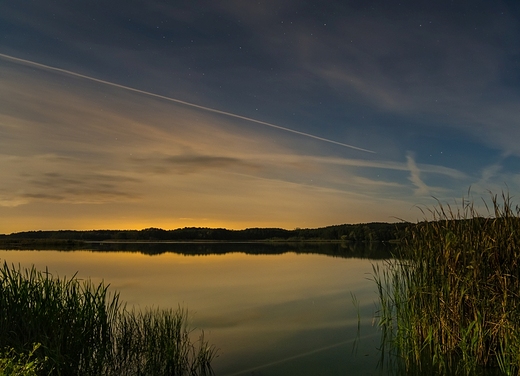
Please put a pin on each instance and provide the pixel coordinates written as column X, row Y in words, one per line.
column 157, row 342
column 82, row 329
column 450, row 301
column 14, row 364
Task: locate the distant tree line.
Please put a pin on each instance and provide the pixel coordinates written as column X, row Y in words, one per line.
column 376, row 231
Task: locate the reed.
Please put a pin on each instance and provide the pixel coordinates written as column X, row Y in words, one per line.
column 450, row 300
column 83, row 329
column 158, row 342
column 15, row 364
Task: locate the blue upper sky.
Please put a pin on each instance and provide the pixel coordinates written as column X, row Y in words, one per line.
column 132, row 114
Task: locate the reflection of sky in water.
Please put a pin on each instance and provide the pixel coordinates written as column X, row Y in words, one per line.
column 269, row 315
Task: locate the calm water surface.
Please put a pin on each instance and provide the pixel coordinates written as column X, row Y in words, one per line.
column 269, row 314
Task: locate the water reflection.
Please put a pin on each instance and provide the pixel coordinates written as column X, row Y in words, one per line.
column 272, row 309
column 372, row 250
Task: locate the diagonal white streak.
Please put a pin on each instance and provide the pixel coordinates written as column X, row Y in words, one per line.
column 28, row 62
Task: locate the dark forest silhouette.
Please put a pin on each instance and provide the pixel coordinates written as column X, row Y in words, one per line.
column 375, row 231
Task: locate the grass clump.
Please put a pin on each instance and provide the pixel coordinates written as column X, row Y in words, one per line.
column 82, row 329
column 14, row 364
column 450, row 300
column 157, row 342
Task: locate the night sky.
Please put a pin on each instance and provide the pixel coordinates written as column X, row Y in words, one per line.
column 280, row 113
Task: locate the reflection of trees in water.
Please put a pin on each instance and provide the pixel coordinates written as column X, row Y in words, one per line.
column 372, row 250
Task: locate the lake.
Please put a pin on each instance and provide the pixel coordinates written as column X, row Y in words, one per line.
column 270, row 309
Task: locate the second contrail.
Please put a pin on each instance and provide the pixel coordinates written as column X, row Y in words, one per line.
column 29, row 62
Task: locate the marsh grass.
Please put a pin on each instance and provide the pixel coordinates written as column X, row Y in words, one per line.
column 83, row 329
column 15, row 364
column 450, row 300
column 158, row 342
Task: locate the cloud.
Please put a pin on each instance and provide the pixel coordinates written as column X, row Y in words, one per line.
column 122, row 132
column 73, row 188
column 371, row 183
column 432, row 70
column 490, row 172
column 390, row 165
column 7, row 199
column 63, row 179
column 184, row 103
column 137, row 160
column 415, row 177
column 377, row 55
column 189, row 163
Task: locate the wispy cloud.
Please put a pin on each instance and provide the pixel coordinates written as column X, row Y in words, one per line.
column 68, row 140
column 189, row 163
column 421, row 189
column 74, row 188
column 178, row 101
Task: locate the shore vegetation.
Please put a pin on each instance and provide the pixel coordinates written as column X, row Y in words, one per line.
column 68, row 326
column 450, row 299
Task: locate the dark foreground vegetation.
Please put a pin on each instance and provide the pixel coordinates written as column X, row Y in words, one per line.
column 348, row 232
column 451, row 299
column 53, row 326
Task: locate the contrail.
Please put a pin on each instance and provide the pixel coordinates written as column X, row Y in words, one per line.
column 181, row 102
